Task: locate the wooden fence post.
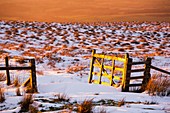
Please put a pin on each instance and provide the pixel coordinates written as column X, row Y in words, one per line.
column 112, row 72
column 33, row 81
column 147, row 74
column 91, row 66
column 7, row 70
column 127, row 73
column 101, row 70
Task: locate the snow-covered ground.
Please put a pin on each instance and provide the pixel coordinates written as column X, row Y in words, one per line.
column 62, row 52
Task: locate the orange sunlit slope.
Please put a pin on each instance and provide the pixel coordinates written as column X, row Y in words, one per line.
column 85, row 10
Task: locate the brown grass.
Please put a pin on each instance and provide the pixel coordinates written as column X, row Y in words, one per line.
column 28, row 89
column 40, row 72
column 26, row 102
column 16, row 82
column 121, row 102
column 2, row 95
column 2, row 77
column 75, row 68
column 158, row 85
column 18, row 92
column 85, row 107
column 33, row 109
column 61, row 98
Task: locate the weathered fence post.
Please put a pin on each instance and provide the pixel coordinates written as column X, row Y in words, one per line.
column 33, row 81
column 7, row 70
column 127, row 73
column 147, row 74
column 91, row 66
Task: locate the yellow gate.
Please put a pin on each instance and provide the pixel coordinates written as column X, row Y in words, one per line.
column 114, row 71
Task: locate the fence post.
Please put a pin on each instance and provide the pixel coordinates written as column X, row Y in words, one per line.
column 126, row 73
column 7, row 70
column 33, row 81
column 147, row 74
column 101, row 70
column 91, row 66
column 112, row 72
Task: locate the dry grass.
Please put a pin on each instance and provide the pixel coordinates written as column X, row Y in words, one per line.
column 101, row 110
column 26, row 102
column 2, row 95
column 18, row 92
column 158, row 85
column 33, row 109
column 40, row 72
column 16, row 82
column 121, row 102
column 85, row 107
column 2, row 77
column 28, row 89
column 61, row 98
column 75, row 68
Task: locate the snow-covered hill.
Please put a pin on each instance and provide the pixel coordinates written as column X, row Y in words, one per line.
column 62, row 52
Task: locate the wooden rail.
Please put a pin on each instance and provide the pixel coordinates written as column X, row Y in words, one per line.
column 161, row 70
column 31, row 80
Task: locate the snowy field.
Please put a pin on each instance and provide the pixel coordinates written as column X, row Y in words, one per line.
column 63, row 51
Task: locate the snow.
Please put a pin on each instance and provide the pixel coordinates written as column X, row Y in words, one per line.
column 58, row 53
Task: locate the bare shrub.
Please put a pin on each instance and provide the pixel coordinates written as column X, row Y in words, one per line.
column 158, row 85
column 2, row 95
column 26, row 102
column 2, row 77
column 85, row 107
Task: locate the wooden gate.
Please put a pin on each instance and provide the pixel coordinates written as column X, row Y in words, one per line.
column 145, row 76
column 126, row 70
column 106, row 70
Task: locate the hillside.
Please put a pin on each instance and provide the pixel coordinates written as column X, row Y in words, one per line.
column 85, row 11
column 62, row 52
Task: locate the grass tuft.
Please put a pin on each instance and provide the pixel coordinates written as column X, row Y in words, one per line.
column 2, row 77
column 2, row 95
column 85, row 107
column 16, row 82
column 18, row 92
column 158, row 85
column 121, row 102
column 61, row 98
column 28, row 89
column 33, row 109
column 26, row 102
